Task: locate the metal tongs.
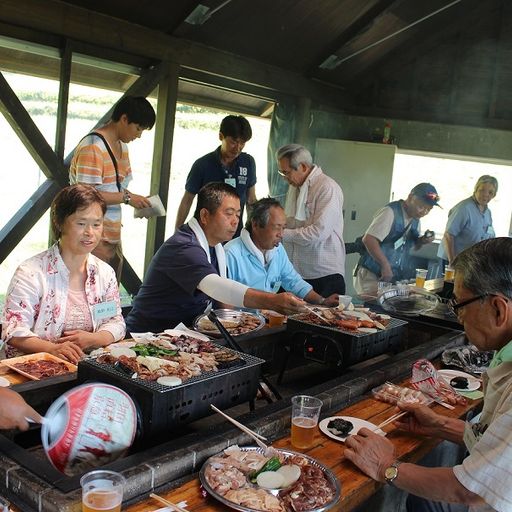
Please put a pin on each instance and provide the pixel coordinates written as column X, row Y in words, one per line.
column 264, row 382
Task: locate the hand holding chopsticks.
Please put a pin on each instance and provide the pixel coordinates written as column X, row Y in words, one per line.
column 390, row 419
column 257, row 437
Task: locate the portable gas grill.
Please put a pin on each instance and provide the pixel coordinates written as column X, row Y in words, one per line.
column 164, row 408
column 338, row 348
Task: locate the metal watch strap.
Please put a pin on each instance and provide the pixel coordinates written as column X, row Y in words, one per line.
column 126, row 196
column 391, row 479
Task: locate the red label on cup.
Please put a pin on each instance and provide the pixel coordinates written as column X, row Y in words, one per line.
column 98, row 423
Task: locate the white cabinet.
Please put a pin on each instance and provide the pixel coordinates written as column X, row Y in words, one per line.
column 364, row 171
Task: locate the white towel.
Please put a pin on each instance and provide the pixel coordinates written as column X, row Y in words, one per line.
column 203, row 242
column 295, row 205
column 264, row 258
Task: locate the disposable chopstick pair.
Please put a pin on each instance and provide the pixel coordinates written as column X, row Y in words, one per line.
column 257, row 437
column 311, row 310
column 391, row 419
column 168, row 503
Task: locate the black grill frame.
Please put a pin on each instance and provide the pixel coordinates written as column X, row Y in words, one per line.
column 163, row 408
column 338, row 348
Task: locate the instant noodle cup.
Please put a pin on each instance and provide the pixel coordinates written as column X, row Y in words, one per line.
column 89, row 426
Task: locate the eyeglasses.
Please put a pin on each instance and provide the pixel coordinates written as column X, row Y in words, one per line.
column 455, row 307
column 282, row 173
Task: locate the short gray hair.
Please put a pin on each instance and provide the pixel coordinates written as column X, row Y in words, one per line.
column 487, row 179
column 297, row 155
column 486, row 267
column 259, row 212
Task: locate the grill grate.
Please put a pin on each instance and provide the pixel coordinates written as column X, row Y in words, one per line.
column 339, row 348
column 164, row 408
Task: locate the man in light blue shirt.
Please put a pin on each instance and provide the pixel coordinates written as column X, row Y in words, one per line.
column 258, row 259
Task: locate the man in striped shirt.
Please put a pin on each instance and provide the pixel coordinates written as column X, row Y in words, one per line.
column 482, row 482
column 101, row 159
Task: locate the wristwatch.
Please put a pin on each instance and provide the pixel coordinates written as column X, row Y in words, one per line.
column 126, row 196
column 391, row 472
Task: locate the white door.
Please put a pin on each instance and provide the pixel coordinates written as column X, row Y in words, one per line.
column 364, row 171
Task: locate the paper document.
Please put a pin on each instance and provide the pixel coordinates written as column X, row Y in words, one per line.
column 155, row 210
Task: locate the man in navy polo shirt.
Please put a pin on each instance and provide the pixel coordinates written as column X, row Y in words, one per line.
column 189, row 270
column 227, row 164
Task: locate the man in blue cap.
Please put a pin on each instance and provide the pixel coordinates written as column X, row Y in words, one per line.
column 394, row 231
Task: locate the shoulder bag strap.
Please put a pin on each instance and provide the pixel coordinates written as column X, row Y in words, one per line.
column 114, row 161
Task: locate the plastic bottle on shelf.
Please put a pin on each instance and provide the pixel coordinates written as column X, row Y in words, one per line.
column 387, row 133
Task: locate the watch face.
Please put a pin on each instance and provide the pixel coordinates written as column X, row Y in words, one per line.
column 391, row 473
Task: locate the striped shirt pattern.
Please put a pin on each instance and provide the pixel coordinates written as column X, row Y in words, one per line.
column 488, row 470
column 92, row 165
column 315, row 246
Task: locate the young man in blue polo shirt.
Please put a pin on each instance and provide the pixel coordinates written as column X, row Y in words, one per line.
column 227, row 164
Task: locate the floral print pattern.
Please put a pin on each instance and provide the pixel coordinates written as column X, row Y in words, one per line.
column 36, row 299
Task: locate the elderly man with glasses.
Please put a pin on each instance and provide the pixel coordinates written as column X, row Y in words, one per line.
column 313, row 237
column 482, row 482
column 257, row 258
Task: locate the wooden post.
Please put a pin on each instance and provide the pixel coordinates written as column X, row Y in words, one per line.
column 161, row 172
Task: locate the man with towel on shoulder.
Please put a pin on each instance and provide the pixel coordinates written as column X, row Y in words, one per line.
column 313, row 237
column 189, row 270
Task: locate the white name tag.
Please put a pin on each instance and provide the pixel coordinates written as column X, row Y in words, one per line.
column 104, row 310
column 230, row 181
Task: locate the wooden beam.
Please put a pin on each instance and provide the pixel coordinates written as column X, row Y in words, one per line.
column 62, row 109
column 26, row 217
column 431, row 117
column 112, row 33
column 144, row 85
column 355, row 27
column 161, row 171
column 29, row 134
column 130, row 279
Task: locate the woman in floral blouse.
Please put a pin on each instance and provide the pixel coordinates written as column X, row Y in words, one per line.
column 65, row 300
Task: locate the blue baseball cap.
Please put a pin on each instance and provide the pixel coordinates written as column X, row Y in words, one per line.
column 427, row 192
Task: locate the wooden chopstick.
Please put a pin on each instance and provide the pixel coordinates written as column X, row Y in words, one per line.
column 168, row 503
column 311, row 310
column 391, row 419
column 257, row 437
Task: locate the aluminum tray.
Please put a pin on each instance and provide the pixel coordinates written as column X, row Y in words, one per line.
column 229, row 314
column 408, row 300
column 328, row 473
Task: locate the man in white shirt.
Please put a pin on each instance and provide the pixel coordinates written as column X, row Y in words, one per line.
column 313, row 237
column 395, row 229
column 482, row 301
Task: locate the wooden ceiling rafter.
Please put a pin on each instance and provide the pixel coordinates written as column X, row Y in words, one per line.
column 361, row 24
column 82, row 25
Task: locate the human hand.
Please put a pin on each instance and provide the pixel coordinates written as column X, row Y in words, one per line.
column 14, row 410
column 332, row 300
column 137, row 201
column 386, row 273
column 420, row 420
column 370, row 452
column 287, row 304
column 83, row 339
column 67, row 350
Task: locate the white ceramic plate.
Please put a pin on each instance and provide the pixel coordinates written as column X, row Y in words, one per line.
column 448, row 375
column 358, row 424
column 4, row 383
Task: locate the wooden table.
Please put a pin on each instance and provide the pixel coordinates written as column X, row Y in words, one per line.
column 355, row 486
